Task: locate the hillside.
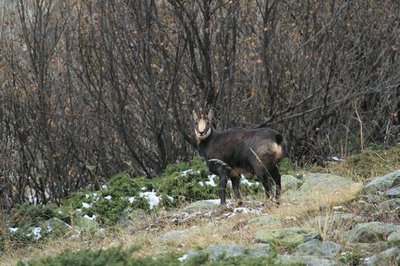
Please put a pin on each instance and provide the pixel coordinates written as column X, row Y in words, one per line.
column 324, row 219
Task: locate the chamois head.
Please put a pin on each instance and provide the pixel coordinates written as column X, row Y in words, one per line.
column 202, row 124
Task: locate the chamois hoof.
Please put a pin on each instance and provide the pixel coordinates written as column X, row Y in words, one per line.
column 239, row 203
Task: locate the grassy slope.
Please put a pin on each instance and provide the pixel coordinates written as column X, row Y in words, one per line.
column 238, row 230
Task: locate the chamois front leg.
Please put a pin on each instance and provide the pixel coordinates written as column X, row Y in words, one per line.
column 223, row 180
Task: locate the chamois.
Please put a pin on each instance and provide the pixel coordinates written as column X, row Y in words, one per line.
column 238, row 151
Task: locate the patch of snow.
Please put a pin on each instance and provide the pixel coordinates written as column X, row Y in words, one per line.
column 201, row 183
column 13, row 230
column 36, row 233
column 186, row 172
column 86, row 205
column 49, row 228
column 93, row 217
column 151, row 197
column 109, row 197
column 33, row 200
column 170, row 198
column 131, row 199
column 87, row 196
column 245, row 181
column 104, row 186
column 183, row 258
column 211, row 181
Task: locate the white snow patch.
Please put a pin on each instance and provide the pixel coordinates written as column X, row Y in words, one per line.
column 201, row 183
column 104, row 186
column 186, row 172
column 245, row 181
column 91, row 218
column 151, row 197
column 170, row 198
column 109, row 197
column 183, row 258
column 211, row 181
column 131, row 199
column 143, row 188
column 36, row 233
column 86, row 205
column 33, row 200
column 13, row 230
column 49, row 228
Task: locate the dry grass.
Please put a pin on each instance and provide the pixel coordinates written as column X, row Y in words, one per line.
column 147, row 233
column 368, row 164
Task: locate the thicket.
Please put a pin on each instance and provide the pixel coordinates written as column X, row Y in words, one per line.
column 89, row 89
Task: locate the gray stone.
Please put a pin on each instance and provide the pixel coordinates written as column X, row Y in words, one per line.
column 203, row 205
column 389, row 205
column 383, row 183
column 57, row 227
column 369, row 232
column 394, row 239
column 286, row 237
column 303, row 260
column 323, row 182
column 318, row 248
column 267, row 220
column 394, row 192
column 388, row 257
column 290, row 182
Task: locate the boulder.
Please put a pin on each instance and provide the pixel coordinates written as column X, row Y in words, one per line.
column 388, row 257
column 303, row 260
column 318, row 248
column 382, row 183
column 370, row 232
column 202, row 205
column 393, row 192
column 286, row 237
column 290, row 182
column 394, row 239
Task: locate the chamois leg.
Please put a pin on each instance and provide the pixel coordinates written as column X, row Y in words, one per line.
column 235, row 186
column 265, row 179
column 223, row 180
column 277, row 178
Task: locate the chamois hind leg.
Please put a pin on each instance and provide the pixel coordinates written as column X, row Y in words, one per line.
column 265, row 179
column 235, row 186
column 277, row 178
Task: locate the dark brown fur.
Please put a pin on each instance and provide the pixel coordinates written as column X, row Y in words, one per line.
column 254, row 151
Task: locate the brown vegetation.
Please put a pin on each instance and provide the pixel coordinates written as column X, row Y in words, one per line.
column 89, row 89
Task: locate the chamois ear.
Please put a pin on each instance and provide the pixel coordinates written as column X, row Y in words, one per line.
column 210, row 114
column 195, row 117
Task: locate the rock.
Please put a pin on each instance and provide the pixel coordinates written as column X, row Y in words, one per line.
column 318, row 248
column 316, row 182
column 394, row 239
column 388, row 257
column 217, row 250
column 303, row 260
column 286, row 237
column 268, row 220
column 174, row 236
column 290, row 182
column 369, row 237
column 389, row 205
column 383, row 183
column 203, row 205
column 57, row 227
column 394, row 192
